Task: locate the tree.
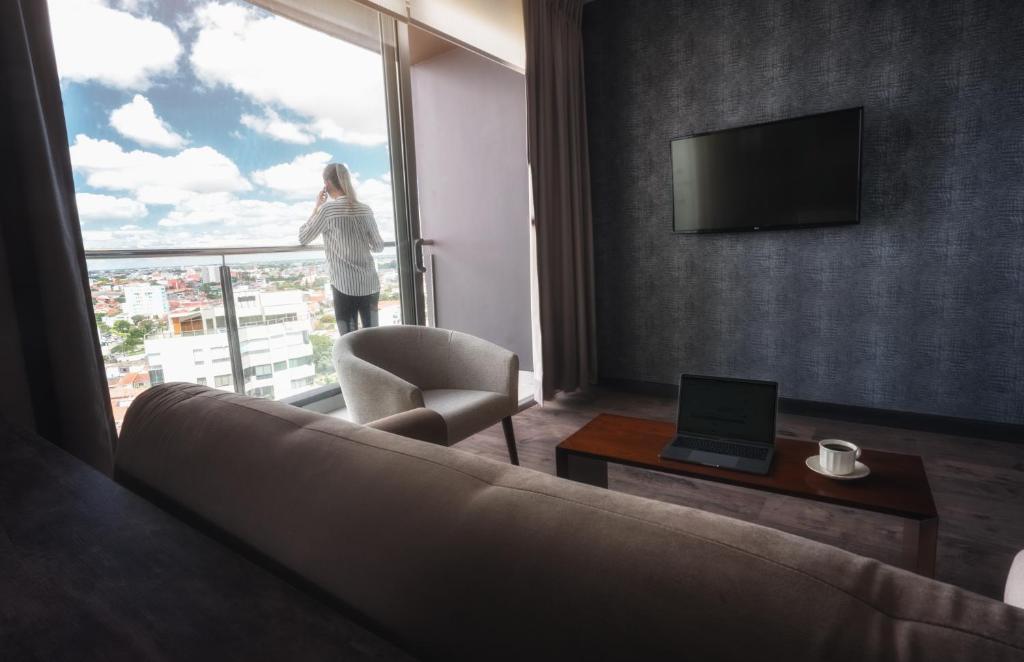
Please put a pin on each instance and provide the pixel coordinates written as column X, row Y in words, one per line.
column 122, row 328
column 322, row 354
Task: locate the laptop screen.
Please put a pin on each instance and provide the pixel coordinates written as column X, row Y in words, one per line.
column 730, row 408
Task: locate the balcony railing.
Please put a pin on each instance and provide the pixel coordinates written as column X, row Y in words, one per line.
column 239, row 379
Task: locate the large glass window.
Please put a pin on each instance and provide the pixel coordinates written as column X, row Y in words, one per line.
column 206, row 125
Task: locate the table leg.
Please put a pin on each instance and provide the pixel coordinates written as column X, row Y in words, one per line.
column 920, row 540
column 580, row 468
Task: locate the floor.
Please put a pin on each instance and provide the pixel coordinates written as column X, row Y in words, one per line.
column 978, row 485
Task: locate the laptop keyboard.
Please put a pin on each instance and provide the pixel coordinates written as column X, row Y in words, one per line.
column 723, row 447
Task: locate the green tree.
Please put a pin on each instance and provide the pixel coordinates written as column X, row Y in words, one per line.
column 322, row 354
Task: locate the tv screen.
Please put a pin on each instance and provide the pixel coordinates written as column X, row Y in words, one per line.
column 791, row 173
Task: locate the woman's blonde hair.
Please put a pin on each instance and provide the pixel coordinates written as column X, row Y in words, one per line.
column 337, row 175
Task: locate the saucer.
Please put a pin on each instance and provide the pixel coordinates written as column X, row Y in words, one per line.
column 860, row 470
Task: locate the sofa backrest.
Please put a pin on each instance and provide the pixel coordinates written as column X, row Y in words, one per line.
column 456, row 557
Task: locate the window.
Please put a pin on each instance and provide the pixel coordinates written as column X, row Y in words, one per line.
column 284, row 317
column 280, row 365
column 201, row 125
column 156, row 375
column 201, row 381
column 261, row 392
column 259, row 371
column 299, row 383
column 302, row 360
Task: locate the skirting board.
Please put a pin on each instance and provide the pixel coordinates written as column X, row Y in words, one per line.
column 960, row 427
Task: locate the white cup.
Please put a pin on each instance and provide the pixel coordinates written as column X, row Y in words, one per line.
column 837, row 456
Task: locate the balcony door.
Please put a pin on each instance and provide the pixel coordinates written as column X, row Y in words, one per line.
column 469, row 114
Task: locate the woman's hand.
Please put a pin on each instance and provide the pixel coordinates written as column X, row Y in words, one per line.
column 321, row 198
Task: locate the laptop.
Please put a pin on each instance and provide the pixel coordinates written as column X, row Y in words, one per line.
column 726, row 423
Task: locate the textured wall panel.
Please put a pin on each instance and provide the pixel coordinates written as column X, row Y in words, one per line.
column 920, row 307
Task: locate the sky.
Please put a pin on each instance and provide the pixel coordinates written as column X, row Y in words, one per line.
column 200, row 123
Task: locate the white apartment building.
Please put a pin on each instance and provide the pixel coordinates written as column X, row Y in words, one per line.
column 273, row 329
column 145, row 300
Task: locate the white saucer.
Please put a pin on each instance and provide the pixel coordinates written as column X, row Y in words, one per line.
column 860, row 470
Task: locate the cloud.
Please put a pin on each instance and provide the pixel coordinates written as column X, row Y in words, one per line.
column 253, row 218
column 94, row 42
column 153, row 178
column 137, row 120
column 98, row 207
column 271, row 124
column 335, row 86
column 302, row 177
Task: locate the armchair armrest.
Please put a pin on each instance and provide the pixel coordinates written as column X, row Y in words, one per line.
column 1014, row 593
column 372, row 393
column 422, row 424
column 479, row 365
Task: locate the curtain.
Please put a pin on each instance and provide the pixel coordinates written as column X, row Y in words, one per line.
column 560, row 177
column 53, row 378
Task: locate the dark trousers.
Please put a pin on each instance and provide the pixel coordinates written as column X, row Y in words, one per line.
column 348, row 308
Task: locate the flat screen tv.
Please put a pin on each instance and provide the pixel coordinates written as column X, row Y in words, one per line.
column 791, row 173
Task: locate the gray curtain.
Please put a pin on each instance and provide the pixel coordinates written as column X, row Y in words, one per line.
column 557, row 136
column 52, row 378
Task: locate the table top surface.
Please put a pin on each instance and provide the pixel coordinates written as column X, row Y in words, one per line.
column 897, row 485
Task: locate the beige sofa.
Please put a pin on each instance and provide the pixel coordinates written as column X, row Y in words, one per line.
column 459, row 558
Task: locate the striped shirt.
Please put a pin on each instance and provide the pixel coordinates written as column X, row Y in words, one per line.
column 350, row 233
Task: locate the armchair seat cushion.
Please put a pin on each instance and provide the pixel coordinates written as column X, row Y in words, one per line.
column 466, row 412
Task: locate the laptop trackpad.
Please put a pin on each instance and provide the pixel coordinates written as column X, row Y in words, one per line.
column 715, row 459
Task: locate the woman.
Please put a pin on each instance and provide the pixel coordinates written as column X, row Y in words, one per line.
column 350, row 233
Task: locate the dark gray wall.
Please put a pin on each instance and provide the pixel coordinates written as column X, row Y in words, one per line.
column 920, row 307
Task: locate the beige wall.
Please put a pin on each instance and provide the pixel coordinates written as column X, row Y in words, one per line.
column 469, row 116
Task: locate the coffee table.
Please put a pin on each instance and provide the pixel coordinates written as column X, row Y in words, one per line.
column 897, row 485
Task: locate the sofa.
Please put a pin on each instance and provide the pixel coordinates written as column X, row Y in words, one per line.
column 455, row 557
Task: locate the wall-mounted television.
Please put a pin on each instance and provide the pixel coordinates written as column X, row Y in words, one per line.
column 792, row 173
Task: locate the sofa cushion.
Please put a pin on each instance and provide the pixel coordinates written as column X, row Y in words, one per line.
column 462, row 558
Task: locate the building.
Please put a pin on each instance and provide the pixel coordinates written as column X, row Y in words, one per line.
column 145, row 300
column 274, row 334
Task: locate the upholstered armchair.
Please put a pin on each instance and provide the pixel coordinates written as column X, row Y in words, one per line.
column 469, row 382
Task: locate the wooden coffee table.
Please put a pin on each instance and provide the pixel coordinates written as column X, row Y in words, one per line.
column 897, row 484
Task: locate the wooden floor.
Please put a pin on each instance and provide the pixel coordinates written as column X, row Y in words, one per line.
column 978, row 485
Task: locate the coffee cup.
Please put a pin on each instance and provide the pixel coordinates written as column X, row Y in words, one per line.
column 837, row 456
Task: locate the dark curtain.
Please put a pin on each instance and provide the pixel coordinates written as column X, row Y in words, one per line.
column 557, row 136
column 53, row 378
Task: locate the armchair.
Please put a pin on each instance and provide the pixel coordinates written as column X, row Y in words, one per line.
column 471, row 383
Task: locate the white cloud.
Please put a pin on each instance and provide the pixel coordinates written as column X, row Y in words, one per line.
column 271, row 124
column 98, row 207
column 302, row 177
column 126, row 236
column 94, row 42
column 133, row 5
column 336, row 86
column 137, row 120
column 153, row 178
column 253, row 218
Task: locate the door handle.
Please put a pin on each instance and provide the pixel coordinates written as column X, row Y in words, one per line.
column 418, row 245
